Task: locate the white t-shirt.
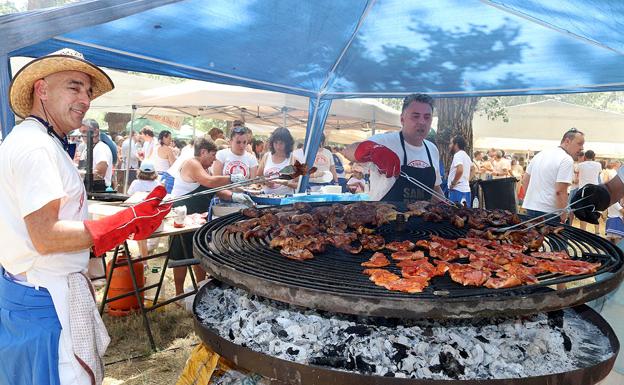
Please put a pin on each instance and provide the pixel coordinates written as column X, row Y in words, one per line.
column 34, row 171
column 416, row 157
column 589, row 172
column 102, row 153
column 462, row 158
column 546, row 169
column 236, row 164
column 324, row 160
column 140, row 185
column 614, row 210
column 134, row 157
column 298, row 155
column 148, row 148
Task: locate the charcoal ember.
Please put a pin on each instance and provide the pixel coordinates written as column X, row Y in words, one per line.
column 567, row 343
column 401, row 351
column 282, row 333
column 482, row 339
column 555, row 319
column 292, row 351
column 359, row 330
column 428, row 331
column 448, row 365
column 231, row 334
column 463, row 353
column 350, row 363
column 364, row 366
column 333, row 362
column 389, row 374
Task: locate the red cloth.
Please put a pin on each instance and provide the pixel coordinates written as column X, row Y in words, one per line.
column 384, row 158
column 136, row 222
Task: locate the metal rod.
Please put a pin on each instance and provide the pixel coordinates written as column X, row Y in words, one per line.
column 427, row 189
column 554, row 212
column 560, row 211
column 128, row 156
column 221, row 188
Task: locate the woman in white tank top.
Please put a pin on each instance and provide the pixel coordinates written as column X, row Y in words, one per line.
column 163, row 156
column 279, row 156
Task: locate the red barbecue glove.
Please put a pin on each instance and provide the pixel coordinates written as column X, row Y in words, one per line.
column 136, row 222
column 384, row 158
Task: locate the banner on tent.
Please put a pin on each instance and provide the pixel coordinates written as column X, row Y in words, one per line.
column 171, row 121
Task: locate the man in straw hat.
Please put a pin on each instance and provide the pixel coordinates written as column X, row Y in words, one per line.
column 50, row 331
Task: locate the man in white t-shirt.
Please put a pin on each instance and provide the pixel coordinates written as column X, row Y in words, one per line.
column 102, row 155
column 406, row 152
column 459, row 173
column 130, row 152
column 549, row 175
column 51, row 330
column 589, row 173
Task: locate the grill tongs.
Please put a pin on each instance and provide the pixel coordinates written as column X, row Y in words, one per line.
column 287, row 173
column 428, row 189
column 548, row 217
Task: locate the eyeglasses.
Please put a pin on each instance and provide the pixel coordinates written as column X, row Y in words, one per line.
column 239, row 130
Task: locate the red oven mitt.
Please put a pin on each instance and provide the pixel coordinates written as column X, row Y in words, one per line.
column 384, row 158
column 137, row 222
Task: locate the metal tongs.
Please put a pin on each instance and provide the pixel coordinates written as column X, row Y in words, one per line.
column 548, row 217
column 287, row 173
column 428, row 189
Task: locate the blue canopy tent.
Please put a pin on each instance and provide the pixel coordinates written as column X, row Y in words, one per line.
column 326, row 49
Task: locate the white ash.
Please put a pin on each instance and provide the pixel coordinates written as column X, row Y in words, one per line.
column 495, row 348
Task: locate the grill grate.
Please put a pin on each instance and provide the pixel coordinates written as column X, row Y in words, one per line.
column 252, row 264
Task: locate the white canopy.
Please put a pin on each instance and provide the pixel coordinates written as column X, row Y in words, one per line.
column 265, row 107
column 538, row 126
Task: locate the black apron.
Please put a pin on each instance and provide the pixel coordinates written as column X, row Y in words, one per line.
column 407, row 192
column 182, row 245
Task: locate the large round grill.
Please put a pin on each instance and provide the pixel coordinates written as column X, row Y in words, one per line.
column 334, row 281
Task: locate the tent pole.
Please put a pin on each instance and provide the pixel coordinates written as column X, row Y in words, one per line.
column 373, row 124
column 134, row 108
column 194, row 127
column 7, row 119
column 284, row 113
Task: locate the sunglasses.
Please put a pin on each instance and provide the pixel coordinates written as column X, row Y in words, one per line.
column 239, row 130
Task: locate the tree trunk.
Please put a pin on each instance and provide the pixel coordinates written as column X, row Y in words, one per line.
column 454, row 118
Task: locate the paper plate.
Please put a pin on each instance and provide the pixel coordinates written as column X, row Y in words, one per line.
column 325, row 178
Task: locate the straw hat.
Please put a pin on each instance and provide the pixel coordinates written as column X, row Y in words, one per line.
column 21, row 89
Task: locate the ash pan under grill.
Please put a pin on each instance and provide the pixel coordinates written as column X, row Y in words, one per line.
column 291, row 345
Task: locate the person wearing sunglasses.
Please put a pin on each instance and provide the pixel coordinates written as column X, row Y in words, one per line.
column 549, row 175
column 236, row 160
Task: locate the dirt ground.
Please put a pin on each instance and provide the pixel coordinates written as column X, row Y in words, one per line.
column 129, row 359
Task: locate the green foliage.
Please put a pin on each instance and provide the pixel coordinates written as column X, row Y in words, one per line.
column 205, row 124
column 7, row 7
column 495, row 107
column 395, row 103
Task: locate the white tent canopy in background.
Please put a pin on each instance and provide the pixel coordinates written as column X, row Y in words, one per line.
column 197, row 98
column 333, row 136
column 545, row 123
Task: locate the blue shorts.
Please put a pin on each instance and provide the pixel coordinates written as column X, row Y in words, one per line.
column 615, row 226
column 29, row 335
column 168, row 179
column 459, row 197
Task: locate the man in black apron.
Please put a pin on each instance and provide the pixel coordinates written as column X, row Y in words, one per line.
column 404, row 152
